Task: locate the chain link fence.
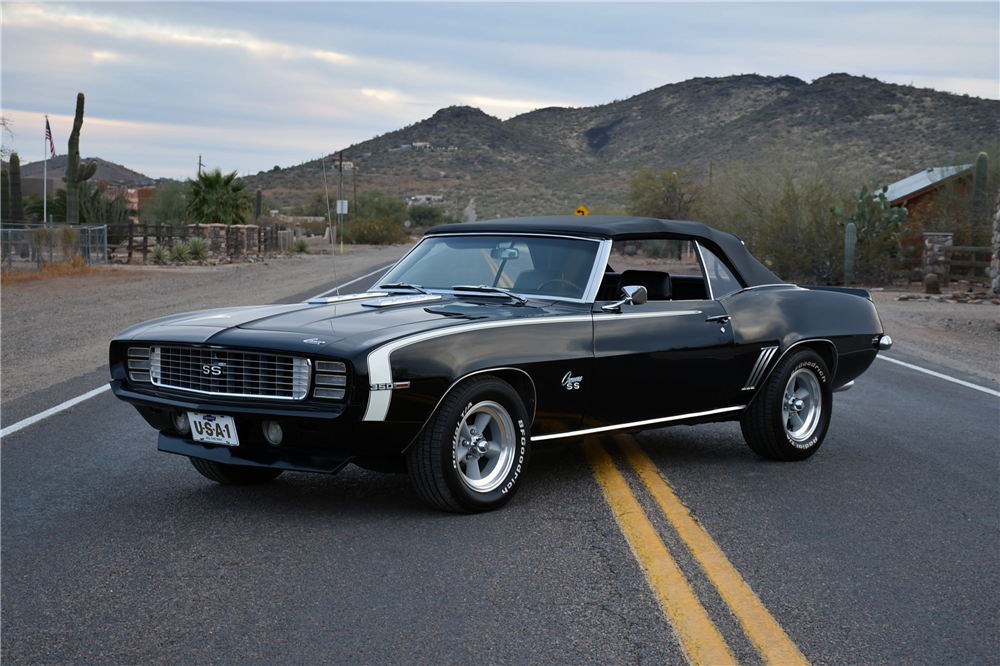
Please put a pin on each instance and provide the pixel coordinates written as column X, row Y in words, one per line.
column 30, row 246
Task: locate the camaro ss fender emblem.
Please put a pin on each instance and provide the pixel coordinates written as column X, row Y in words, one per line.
column 570, row 382
column 314, row 341
column 389, row 386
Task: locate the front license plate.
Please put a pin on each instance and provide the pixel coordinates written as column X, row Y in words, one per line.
column 213, row 429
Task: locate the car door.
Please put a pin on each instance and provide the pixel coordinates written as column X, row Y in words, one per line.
column 668, row 357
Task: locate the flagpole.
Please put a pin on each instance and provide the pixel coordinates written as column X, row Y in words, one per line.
column 45, row 174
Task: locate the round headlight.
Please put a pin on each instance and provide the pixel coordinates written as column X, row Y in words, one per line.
column 272, row 432
column 180, row 421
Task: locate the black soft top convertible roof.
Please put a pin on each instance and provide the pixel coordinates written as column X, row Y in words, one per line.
column 752, row 271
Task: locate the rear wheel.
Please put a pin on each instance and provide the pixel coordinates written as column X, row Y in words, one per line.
column 472, row 453
column 789, row 418
column 234, row 475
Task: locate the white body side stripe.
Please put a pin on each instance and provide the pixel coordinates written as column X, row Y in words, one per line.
column 380, row 371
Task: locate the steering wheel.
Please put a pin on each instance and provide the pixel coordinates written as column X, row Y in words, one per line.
column 558, row 281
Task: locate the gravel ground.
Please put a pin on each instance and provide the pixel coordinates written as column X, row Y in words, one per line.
column 963, row 336
column 58, row 329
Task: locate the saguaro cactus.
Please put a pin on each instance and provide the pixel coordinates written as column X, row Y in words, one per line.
column 74, row 174
column 850, row 240
column 256, row 208
column 980, row 197
column 16, row 211
column 4, row 194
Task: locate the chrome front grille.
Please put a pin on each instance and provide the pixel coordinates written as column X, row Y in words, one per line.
column 225, row 372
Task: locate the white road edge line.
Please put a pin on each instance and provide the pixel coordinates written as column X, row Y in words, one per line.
column 377, row 270
column 11, row 429
column 55, row 410
column 939, row 375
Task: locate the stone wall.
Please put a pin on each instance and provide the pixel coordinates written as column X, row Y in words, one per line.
column 235, row 240
column 995, row 261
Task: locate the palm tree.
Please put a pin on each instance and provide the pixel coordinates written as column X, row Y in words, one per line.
column 216, row 199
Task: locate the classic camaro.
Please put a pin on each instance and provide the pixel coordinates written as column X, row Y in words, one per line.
column 490, row 338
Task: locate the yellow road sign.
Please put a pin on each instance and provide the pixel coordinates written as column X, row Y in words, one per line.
column 582, row 210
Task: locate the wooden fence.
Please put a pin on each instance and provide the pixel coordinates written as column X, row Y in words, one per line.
column 969, row 263
column 229, row 241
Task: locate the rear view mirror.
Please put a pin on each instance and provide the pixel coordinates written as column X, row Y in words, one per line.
column 632, row 295
column 504, row 253
column 635, row 295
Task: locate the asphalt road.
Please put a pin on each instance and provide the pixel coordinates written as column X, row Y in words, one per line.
column 881, row 549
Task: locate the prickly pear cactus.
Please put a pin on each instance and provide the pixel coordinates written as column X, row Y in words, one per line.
column 74, row 174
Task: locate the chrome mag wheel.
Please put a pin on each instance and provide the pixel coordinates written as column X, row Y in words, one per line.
column 486, row 447
column 802, row 407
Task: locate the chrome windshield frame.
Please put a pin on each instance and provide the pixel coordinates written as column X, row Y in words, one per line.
column 589, row 292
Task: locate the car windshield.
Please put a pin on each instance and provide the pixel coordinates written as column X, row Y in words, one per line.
column 530, row 265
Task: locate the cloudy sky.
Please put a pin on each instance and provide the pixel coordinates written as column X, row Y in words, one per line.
column 251, row 85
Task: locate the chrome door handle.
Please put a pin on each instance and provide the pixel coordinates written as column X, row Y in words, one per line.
column 722, row 319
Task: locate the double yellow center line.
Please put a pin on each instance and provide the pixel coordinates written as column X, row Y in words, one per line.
column 699, row 638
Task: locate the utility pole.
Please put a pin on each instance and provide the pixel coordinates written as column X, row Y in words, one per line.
column 340, row 184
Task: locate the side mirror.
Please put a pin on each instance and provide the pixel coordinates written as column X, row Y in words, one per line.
column 633, row 295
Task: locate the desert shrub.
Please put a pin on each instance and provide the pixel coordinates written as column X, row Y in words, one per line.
column 158, row 255
column 198, row 249
column 374, row 231
column 180, row 252
column 69, row 238
column 656, row 248
column 301, row 245
column 42, row 239
column 630, row 250
column 782, row 211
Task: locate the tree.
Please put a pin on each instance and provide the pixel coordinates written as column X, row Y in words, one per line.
column 168, row 204
column 98, row 207
column 56, row 206
column 215, row 198
column 5, row 126
column 377, row 204
column 425, row 215
column 667, row 194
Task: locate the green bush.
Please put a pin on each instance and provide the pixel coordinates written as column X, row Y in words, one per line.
column 301, row 245
column 158, row 255
column 656, row 248
column 374, row 231
column 630, row 250
column 198, row 249
column 180, row 252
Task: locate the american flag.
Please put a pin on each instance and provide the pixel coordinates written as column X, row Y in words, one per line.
column 48, row 137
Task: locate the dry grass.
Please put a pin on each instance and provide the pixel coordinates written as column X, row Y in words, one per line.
column 74, row 266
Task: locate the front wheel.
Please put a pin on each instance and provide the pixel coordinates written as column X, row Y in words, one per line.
column 789, row 418
column 471, row 455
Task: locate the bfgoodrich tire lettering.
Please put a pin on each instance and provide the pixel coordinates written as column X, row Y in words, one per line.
column 234, row 475
column 471, row 455
column 788, row 420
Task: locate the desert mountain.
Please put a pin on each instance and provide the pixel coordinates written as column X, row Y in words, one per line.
column 551, row 160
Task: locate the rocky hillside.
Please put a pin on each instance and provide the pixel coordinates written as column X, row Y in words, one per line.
column 551, row 160
column 107, row 172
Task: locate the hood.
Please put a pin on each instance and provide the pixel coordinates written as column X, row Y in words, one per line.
column 361, row 320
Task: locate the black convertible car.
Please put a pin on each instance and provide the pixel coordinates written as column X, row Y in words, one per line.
column 490, row 338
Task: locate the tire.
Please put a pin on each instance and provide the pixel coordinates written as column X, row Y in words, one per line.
column 790, row 416
column 473, row 451
column 234, row 475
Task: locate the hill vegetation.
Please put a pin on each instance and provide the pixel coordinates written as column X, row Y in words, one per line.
column 551, row 160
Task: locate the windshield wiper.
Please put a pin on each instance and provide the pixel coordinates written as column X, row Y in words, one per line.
column 483, row 289
column 396, row 286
